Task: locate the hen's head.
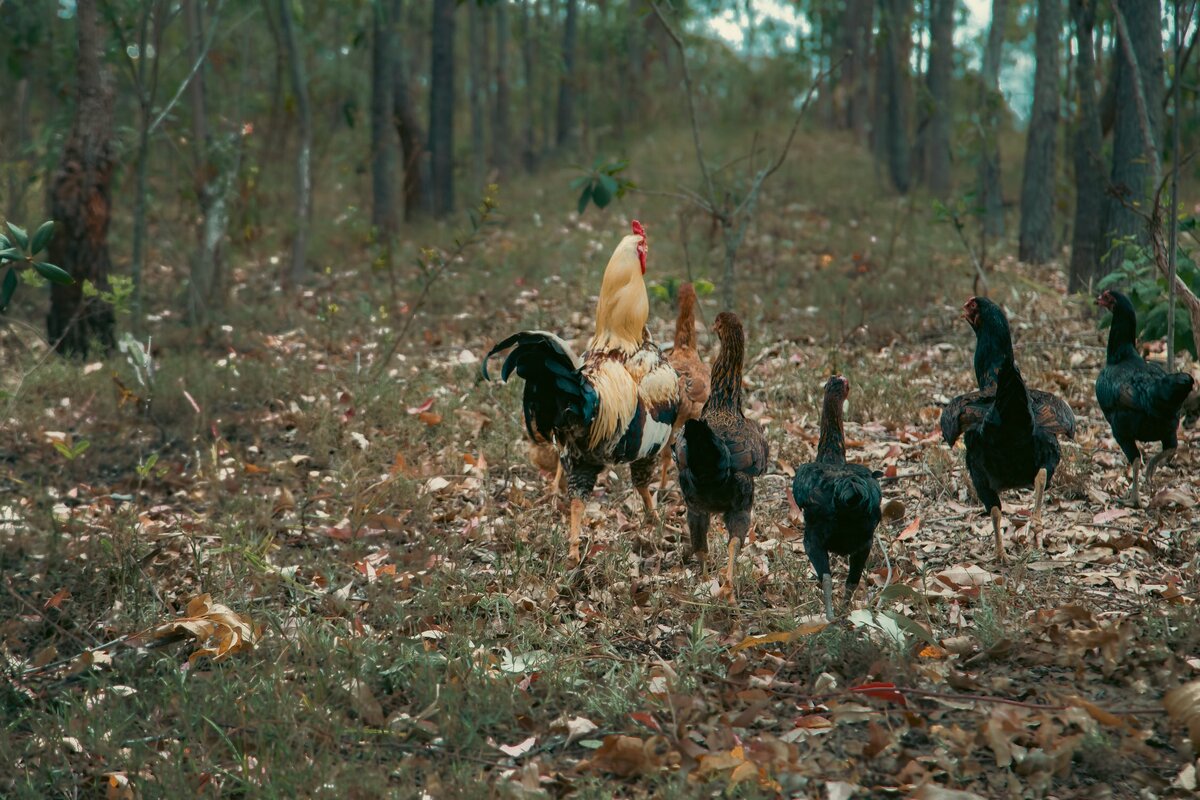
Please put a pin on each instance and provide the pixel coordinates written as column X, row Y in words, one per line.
column 1107, row 299
column 837, row 388
column 981, row 312
column 727, row 327
column 970, row 312
column 642, row 247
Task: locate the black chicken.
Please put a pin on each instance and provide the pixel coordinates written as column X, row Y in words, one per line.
column 1140, row 400
column 720, row 454
column 840, row 501
column 1010, row 431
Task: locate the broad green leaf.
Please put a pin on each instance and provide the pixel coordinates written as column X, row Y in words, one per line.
column 8, row 287
column 42, row 237
column 11, row 254
column 52, row 273
column 609, row 183
column 600, row 193
column 704, row 287
column 19, row 236
column 585, row 197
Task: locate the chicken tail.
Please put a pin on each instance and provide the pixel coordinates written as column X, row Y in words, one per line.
column 1171, row 391
column 707, row 456
column 557, row 395
column 859, row 493
column 1012, row 398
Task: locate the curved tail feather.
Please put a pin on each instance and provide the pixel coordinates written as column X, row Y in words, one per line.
column 707, row 456
column 556, row 393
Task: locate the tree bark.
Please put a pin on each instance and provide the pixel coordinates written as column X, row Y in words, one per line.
column 417, row 197
column 441, row 107
column 941, row 67
column 501, row 124
column 1088, row 155
column 565, row 133
column 894, row 86
column 304, row 187
column 528, row 59
column 856, row 41
column 383, row 167
column 1134, row 159
column 81, row 201
column 990, row 102
column 476, row 82
column 1039, row 179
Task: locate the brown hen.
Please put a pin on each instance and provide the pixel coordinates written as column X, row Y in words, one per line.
column 694, row 374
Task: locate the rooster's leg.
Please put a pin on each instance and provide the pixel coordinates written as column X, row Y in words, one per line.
column 827, row 587
column 1164, row 457
column 576, row 525
column 698, row 522
column 995, row 512
column 733, row 543
column 666, row 463
column 1132, row 498
column 559, row 485
column 642, row 472
column 1035, row 519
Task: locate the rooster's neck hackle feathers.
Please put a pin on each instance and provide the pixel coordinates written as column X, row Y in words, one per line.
column 1122, row 336
column 624, row 307
column 831, row 449
column 685, row 324
column 993, row 345
column 726, row 382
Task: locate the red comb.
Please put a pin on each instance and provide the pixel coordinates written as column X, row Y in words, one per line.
column 638, row 229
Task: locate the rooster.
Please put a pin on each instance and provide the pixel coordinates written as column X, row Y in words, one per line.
column 720, row 454
column 1140, row 400
column 840, row 501
column 693, row 373
column 614, row 404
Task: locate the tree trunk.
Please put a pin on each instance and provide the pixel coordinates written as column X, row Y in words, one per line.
column 441, row 107
column 528, row 58
column 476, row 84
column 546, row 27
column 81, row 201
column 991, row 197
column 1133, row 163
column 894, row 86
column 856, row 41
column 417, row 198
column 1089, row 159
column 383, row 168
column 304, row 187
column 941, row 67
column 501, row 124
column 565, row 133
column 1040, row 177
column 206, row 264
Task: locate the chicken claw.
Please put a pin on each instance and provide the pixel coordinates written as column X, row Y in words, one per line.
column 996, row 524
column 573, row 557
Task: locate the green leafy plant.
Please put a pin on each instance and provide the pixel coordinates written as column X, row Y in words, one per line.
column 72, row 451
column 668, row 290
column 1147, row 291
column 602, row 183
column 119, row 293
column 18, row 251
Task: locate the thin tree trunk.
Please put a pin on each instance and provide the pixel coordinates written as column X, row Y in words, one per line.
column 81, row 201
column 304, row 188
column 546, row 27
column 941, row 67
column 383, row 168
column 501, row 124
column 441, row 107
column 856, row 42
column 990, row 102
column 476, row 83
column 417, row 197
column 202, row 288
column 528, row 58
column 1134, row 160
column 894, row 56
column 1040, row 176
column 1089, row 159
column 566, row 88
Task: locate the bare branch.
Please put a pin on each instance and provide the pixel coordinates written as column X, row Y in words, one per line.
column 687, row 83
column 212, row 34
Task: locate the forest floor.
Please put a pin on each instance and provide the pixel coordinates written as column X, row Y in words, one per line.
column 272, row 569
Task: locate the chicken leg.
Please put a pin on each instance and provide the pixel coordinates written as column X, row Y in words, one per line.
column 827, row 588
column 1132, row 498
column 1035, row 519
column 1165, row 457
column 576, row 525
column 666, row 463
column 996, row 520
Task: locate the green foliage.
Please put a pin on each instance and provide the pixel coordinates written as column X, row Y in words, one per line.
column 119, row 295
column 1147, row 291
column 18, row 251
column 668, row 290
column 600, row 184
column 72, row 451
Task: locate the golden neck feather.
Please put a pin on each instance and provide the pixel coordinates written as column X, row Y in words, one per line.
column 624, row 307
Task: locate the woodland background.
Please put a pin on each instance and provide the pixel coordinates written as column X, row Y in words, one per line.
column 252, row 424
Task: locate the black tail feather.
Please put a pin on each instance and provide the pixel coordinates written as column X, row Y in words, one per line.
column 707, row 456
column 556, row 393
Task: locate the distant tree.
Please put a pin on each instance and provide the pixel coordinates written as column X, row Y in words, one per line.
column 383, row 162
column 441, row 106
column 304, row 182
column 477, row 95
column 81, row 201
column 501, row 108
column 1039, row 179
column 1139, row 103
column 528, row 59
column 941, row 69
column 566, row 87
column 1088, row 154
column 417, row 196
column 856, row 42
column 991, row 198
column 893, row 75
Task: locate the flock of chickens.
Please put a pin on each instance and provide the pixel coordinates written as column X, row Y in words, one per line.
column 622, row 401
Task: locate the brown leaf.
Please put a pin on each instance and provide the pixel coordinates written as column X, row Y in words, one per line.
column 1183, row 705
